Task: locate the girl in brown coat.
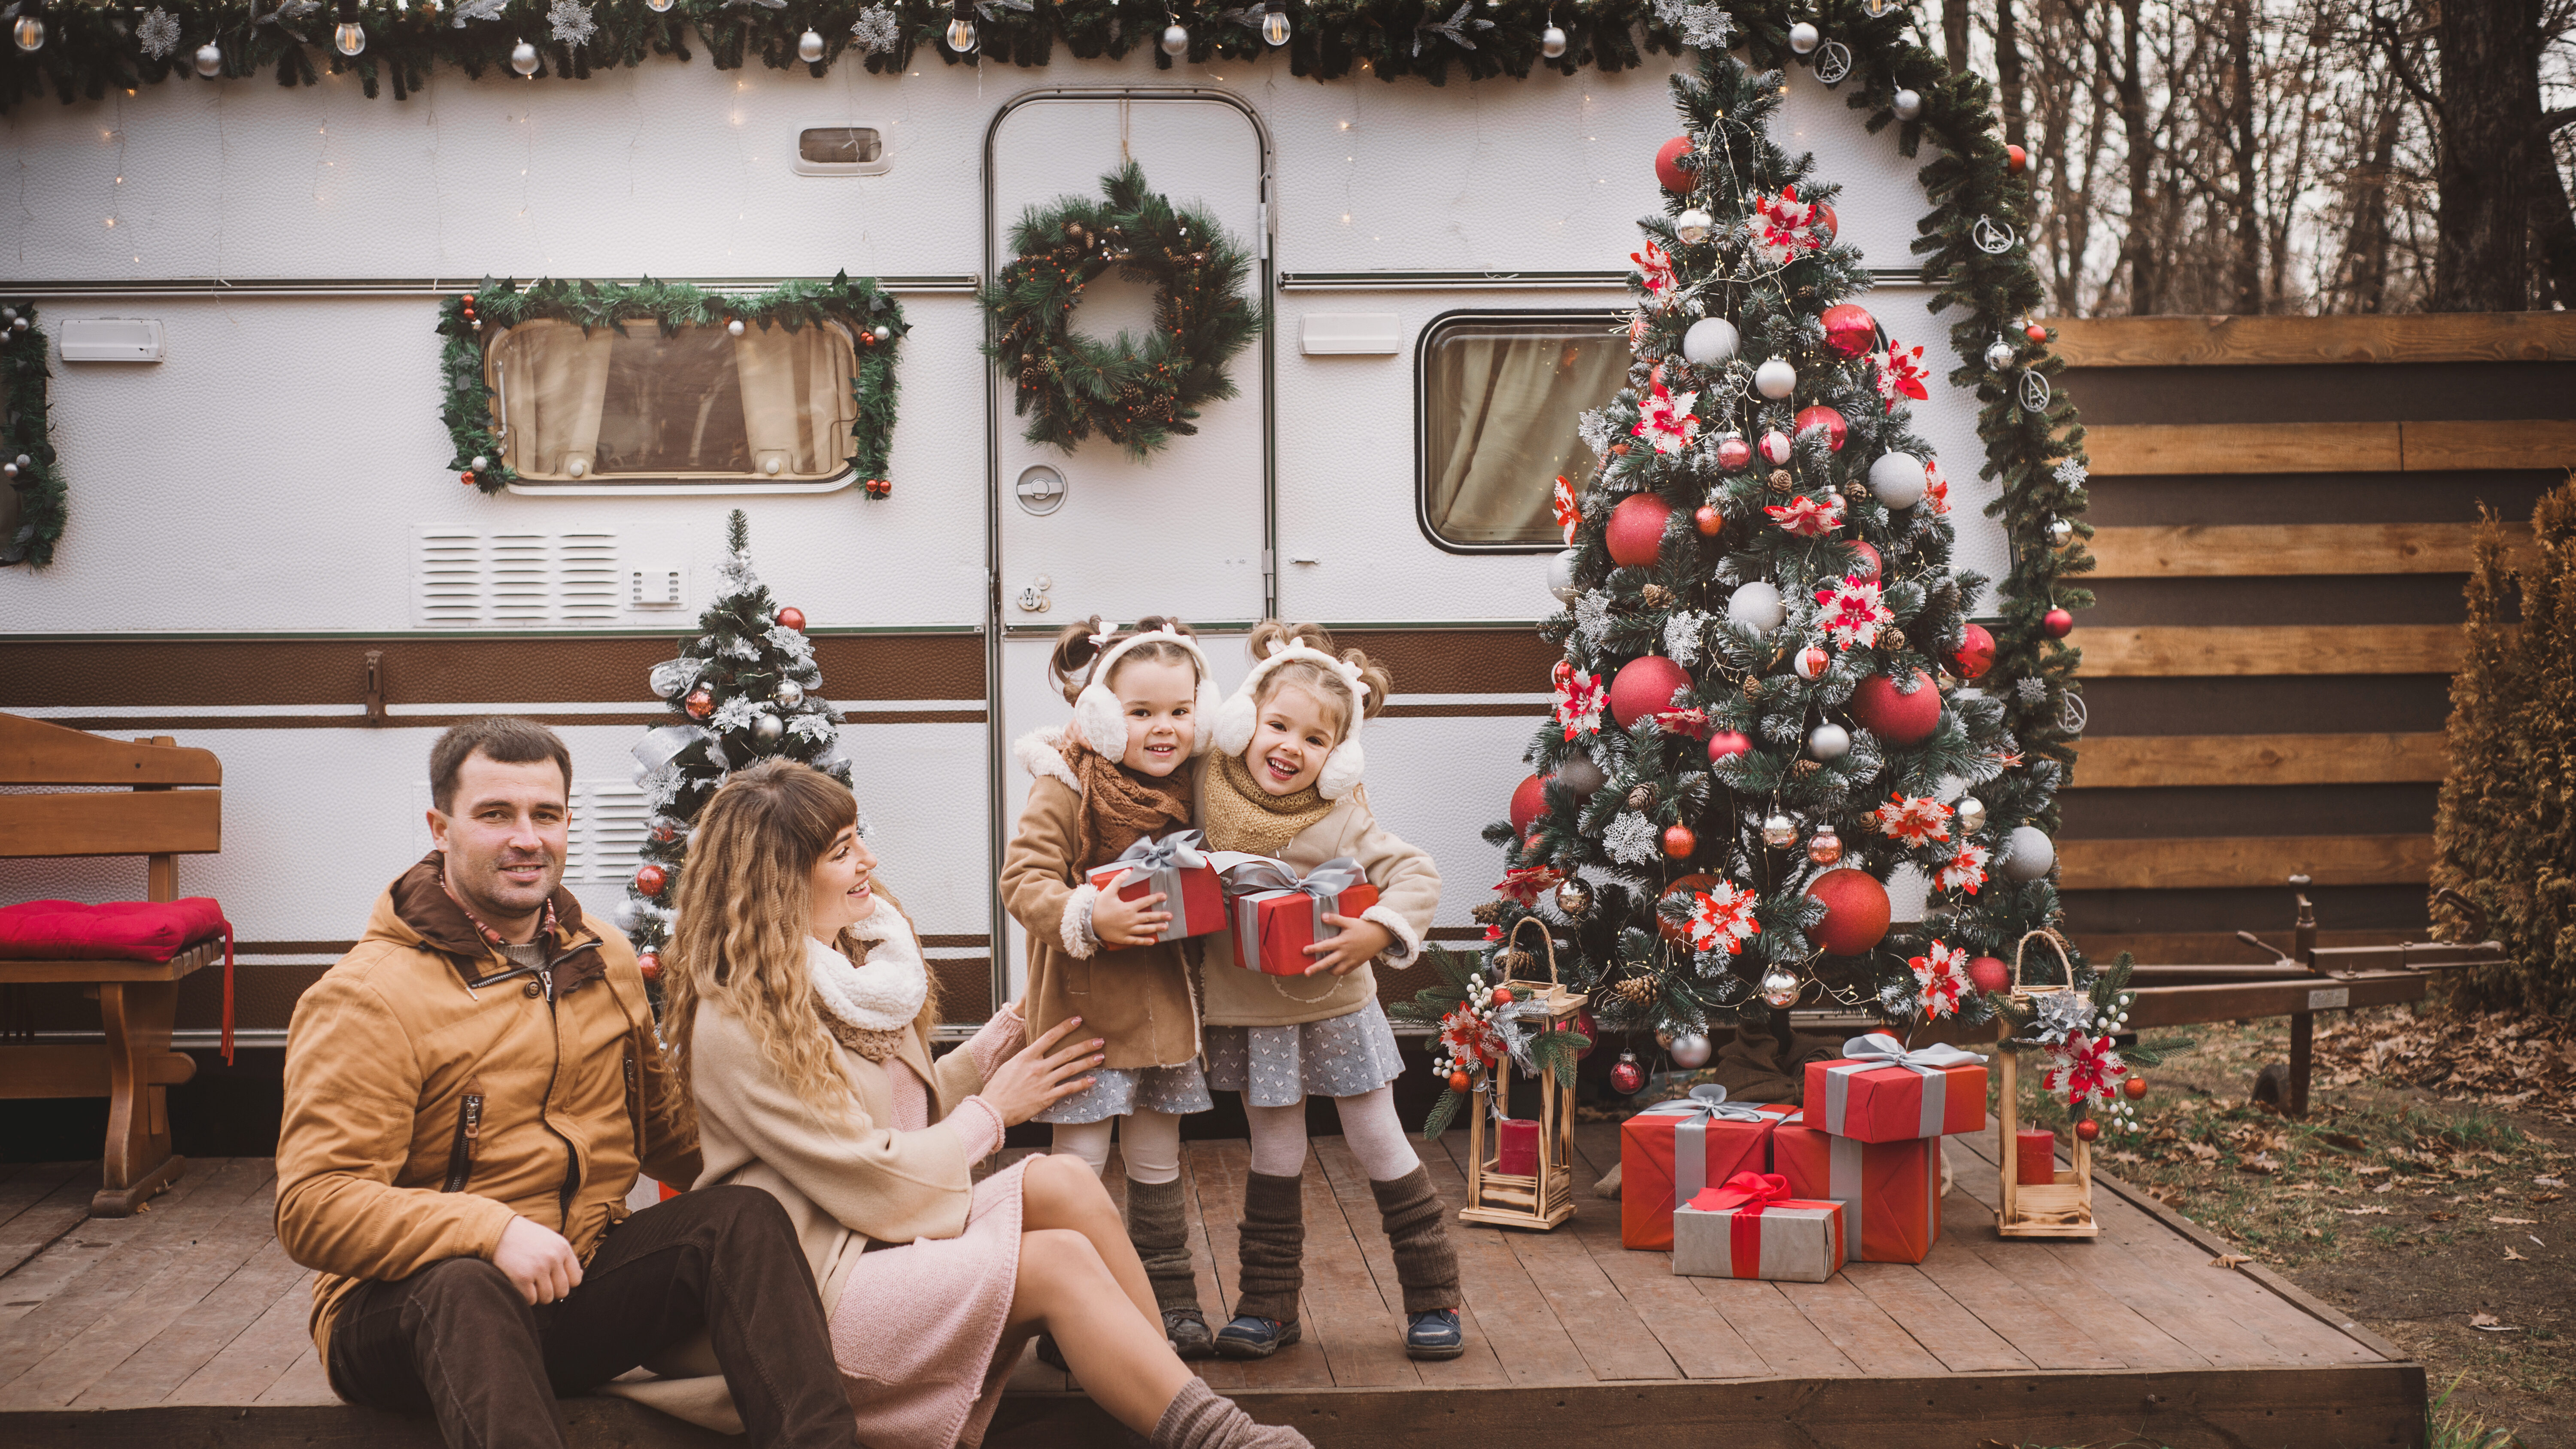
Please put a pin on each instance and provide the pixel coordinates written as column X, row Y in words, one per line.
column 1121, row 772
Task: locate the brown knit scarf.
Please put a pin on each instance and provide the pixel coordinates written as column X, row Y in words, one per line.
column 1121, row 806
column 1243, row 816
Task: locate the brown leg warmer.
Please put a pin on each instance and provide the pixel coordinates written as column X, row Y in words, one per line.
column 1162, row 1238
column 1417, row 1227
column 1199, row 1418
column 1271, row 1246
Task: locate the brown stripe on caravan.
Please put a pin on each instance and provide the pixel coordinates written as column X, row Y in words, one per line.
column 1432, row 660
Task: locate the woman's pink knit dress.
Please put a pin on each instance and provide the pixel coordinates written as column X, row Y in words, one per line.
column 917, row 1325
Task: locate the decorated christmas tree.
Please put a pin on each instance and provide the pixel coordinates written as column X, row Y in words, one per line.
column 745, row 689
column 1773, row 696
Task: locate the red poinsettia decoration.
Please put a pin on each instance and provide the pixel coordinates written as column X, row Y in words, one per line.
column 1784, row 228
column 1690, row 722
column 1966, row 869
column 1579, row 700
column 1900, row 374
column 1806, row 517
column 1940, row 975
column 1722, row 919
column 1854, row 611
column 1467, row 1036
column 1665, row 420
column 2085, row 1068
column 1655, row 271
column 1526, row 884
column 1914, row 819
column 1568, row 516
column 1936, row 486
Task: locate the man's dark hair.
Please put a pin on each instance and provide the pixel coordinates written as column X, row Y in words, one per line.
column 496, row 737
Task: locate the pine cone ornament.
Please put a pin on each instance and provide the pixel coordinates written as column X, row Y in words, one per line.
column 1805, row 768
column 1512, row 961
column 1890, row 639
column 1856, row 490
column 1656, row 596
column 1488, row 913
column 1781, row 482
column 1642, row 798
column 1635, row 990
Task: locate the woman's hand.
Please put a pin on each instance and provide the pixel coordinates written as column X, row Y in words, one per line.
column 1120, row 923
column 1038, row 1078
column 1359, row 943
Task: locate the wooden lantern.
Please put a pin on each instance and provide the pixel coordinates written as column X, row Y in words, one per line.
column 2062, row 1208
column 1546, row 1197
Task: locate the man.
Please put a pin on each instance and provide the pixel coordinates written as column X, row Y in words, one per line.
column 469, row 1096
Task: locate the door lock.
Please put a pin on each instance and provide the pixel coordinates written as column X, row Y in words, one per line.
column 1033, row 599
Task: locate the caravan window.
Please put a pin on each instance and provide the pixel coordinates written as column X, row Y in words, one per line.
column 1500, row 397
column 626, row 404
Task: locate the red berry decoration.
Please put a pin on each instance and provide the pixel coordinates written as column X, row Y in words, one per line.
column 1708, row 521
column 2088, row 1129
column 1679, row 842
column 1527, row 800
column 2019, row 161
column 2057, row 623
column 1866, row 564
column 1502, row 996
column 650, row 879
column 466, row 478
column 1644, row 686
column 1726, row 745
column 700, row 703
column 1668, row 166
column 1458, row 1081
column 1856, row 911
column 1826, row 418
column 1850, row 331
column 1635, row 535
column 1989, row 974
column 791, row 618
column 2136, row 1088
column 1975, row 654
column 1900, row 719
column 649, row 964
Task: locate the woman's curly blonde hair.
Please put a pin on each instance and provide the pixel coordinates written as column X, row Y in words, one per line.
column 744, row 907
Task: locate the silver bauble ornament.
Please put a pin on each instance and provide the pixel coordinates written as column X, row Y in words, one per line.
column 766, row 728
column 1757, row 606
column 8, row 470
column 1779, row 989
column 1972, row 814
column 1581, row 776
column 789, row 694
column 1897, row 479
column 1999, row 355
column 210, row 60
column 2059, row 532
column 809, row 47
column 1693, row 226
column 2028, row 853
column 1828, row 741
column 1710, row 341
column 1804, row 37
column 1775, row 379
column 1690, row 1050
column 1560, row 577
column 1779, row 832
column 1908, row 104
column 523, row 58
column 1551, row 42
column 1574, row 898
column 735, row 326
column 1176, row 39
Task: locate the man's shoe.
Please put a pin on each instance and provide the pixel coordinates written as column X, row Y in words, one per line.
column 1187, row 1328
column 1435, row 1334
column 1250, row 1337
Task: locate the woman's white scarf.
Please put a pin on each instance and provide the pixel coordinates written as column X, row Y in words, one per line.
column 884, row 994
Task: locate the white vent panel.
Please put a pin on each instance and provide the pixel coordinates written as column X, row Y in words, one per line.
column 464, row 578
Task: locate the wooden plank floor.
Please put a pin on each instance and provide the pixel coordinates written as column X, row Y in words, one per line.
column 162, row 1326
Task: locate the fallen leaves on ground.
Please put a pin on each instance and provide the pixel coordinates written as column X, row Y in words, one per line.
column 2496, row 1059
column 2230, row 1260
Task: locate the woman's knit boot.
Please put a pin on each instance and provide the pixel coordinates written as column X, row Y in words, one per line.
column 1417, row 1228
column 1271, row 1246
column 1200, row 1418
column 1162, row 1237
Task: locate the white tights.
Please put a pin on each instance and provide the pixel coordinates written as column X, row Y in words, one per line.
column 1151, row 1139
column 1376, row 1136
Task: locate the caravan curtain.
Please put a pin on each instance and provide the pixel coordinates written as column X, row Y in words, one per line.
column 1501, row 403
column 549, row 383
column 796, row 403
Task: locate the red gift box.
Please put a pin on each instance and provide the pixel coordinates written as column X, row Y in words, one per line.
column 1880, row 1092
column 1179, row 866
column 1890, row 1191
column 1670, row 1151
column 1516, row 1146
column 1276, row 916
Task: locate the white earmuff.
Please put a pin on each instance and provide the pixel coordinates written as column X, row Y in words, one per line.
column 1210, row 705
column 1096, row 718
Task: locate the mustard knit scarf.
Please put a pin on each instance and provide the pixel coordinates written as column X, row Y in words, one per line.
column 1243, row 816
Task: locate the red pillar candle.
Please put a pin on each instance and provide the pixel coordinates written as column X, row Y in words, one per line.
column 2034, row 1157
column 1516, row 1147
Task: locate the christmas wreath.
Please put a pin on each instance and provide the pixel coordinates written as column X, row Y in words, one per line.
column 1135, row 395
column 26, row 440
column 874, row 318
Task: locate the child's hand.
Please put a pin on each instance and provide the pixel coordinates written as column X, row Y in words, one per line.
column 1357, row 945
column 1121, row 923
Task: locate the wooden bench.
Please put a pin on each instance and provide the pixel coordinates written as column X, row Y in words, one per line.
column 134, row 1067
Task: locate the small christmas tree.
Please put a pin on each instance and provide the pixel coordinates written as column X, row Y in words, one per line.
column 1765, row 706
column 745, row 689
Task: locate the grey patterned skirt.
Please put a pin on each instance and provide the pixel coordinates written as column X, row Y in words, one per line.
column 1279, row 1066
column 1117, row 1091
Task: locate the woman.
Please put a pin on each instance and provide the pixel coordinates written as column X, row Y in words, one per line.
column 800, row 1015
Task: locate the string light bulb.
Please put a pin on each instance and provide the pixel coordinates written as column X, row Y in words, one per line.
column 1274, row 22
column 29, row 32
column 961, row 27
column 657, row 6
column 348, row 37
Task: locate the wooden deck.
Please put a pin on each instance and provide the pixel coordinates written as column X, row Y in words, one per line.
column 186, row 1325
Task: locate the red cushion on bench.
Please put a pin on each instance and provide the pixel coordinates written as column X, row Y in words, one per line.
column 112, row 931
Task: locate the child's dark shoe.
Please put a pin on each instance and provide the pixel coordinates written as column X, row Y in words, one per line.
column 1434, row 1334
column 1187, row 1328
column 1250, row 1337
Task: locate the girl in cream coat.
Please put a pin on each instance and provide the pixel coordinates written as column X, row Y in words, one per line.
column 800, row 1011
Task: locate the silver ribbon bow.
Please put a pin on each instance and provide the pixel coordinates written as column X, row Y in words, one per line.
column 1878, row 1050
column 1704, row 1105
column 1250, row 878
column 1179, row 850
column 661, row 748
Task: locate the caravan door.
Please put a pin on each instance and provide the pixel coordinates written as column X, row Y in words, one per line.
column 1093, row 531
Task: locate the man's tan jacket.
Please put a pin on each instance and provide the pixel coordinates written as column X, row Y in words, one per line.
column 434, row 1091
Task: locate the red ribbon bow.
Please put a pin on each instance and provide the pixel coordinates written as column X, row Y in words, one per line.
column 1750, row 1190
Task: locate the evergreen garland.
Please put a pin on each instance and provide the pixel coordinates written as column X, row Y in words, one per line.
column 27, row 440
column 873, row 316
column 1137, row 397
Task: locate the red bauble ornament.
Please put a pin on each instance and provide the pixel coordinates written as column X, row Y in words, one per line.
column 1460, row 1081
column 700, row 703
column 650, row 879
column 2057, row 623
column 2017, row 159
column 1679, row 842
column 1826, row 224
column 1529, row 799
column 2035, row 332
column 2136, row 1087
column 1668, row 166
column 1726, row 745
column 1583, row 1024
column 1635, row 534
column 1849, row 330
column 649, row 965
column 1733, row 453
column 1856, row 912
column 1903, row 720
column 1975, row 654
column 1502, row 996
column 1812, row 661
column 1708, row 521
column 2088, row 1129
column 791, row 618
column 1989, row 974
column 1626, row 1077
column 1645, row 686
column 466, row 478
column 1775, row 446
column 1687, row 886
column 1826, row 418
column 1866, row 564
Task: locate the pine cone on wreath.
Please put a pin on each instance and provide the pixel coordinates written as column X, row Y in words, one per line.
column 1781, row 482
column 1487, row 913
column 1642, row 798
column 1656, row 596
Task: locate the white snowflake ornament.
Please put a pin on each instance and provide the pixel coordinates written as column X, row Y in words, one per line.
column 159, row 32
column 1632, row 838
column 876, row 30
column 571, row 22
